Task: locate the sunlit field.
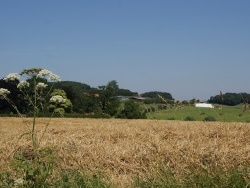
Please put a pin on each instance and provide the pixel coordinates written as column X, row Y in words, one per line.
column 129, row 151
column 222, row 114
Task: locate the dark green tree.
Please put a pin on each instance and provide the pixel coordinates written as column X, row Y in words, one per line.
column 154, row 94
column 81, row 95
column 109, row 104
column 15, row 96
column 230, row 99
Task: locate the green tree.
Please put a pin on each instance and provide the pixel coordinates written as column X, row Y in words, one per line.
column 154, row 94
column 132, row 110
column 81, row 95
column 109, row 104
column 230, row 99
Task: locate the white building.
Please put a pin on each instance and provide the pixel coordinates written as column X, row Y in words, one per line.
column 204, row 105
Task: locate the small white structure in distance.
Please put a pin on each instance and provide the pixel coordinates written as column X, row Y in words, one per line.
column 204, row 105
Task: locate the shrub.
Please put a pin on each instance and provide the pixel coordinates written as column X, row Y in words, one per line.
column 189, row 118
column 170, row 118
column 209, row 118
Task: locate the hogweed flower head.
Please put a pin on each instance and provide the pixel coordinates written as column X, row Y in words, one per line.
column 4, row 92
column 41, row 85
column 54, row 77
column 12, row 77
column 46, row 73
column 23, row 84
column 43, row 73
column 57, row 99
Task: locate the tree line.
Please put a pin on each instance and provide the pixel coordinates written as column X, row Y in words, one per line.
column 230, row 99
column 102, row 101
column 83, row 99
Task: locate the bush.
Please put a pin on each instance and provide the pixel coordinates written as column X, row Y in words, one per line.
column 170, row 118
column 209, row 118
column 189, row 118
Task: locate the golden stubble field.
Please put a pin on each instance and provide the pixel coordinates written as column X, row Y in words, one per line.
column 124, row 149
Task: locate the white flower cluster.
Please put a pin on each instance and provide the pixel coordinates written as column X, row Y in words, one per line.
column 12, row 77
column 41, row 85
column 23, row 84
column 57, row 99
column 49, row 74
column 4, row 92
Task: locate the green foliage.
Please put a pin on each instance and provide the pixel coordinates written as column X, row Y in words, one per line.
column 132, row 110
column 198, row 177
column 76, row 87
column 152, row 109
column 154, row 94
column 161, row 107
column 157, row 100
column 81, row 95
column 125, row 92
column 33, row 168
column 189, row 118
column 107, row 101
column 73, row 178
column 15, row 96
column 230, row 99
column 209, row 118
column 41, row 168
column 61, row 107
column 217, row 178
column 224, row 114
column 88, row 100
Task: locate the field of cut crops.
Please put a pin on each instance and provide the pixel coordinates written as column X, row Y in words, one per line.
column 126, row 149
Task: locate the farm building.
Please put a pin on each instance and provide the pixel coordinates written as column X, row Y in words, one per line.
column 126, row 98
column 204, row 105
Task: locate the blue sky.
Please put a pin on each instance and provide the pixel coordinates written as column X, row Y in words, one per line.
column 190, row 48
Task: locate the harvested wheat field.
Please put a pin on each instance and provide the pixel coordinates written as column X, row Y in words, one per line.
column 126, row 149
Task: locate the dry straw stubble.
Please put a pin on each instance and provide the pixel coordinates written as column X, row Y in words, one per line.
column 124, row 149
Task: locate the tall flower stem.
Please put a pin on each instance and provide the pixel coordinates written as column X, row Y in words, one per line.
column 34, row 117
column 34, row 74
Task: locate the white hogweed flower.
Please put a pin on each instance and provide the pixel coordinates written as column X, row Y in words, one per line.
column 12, row 77
column 41, row 85
column 54, row 77
column 49, row 74
column 4, row 92
column 23, row 84
column 57, row 99
column 43, row 73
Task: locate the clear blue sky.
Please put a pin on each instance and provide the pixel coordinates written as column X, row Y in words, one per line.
column 192, row 49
